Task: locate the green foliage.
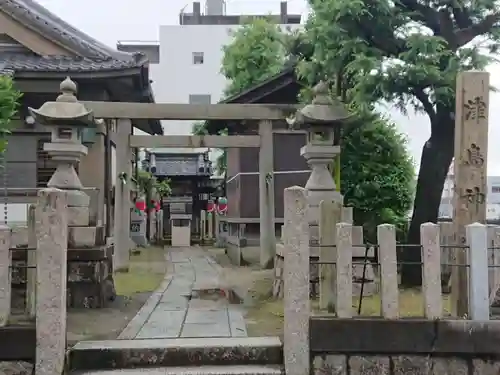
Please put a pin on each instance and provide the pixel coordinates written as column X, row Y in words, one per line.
column 407, row 52
column 377, row 173
column 257, row 52
column 256, row 44
column 221, row 163
column 199, row 128
column 376, row 170
column 146, row 182
column 9, row 102
column 163, row 188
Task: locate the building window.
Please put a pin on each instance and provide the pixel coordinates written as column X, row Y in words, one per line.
column 198, row 58
column 495, row 189
column 200, row 99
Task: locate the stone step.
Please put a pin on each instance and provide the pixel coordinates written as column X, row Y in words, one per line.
column 112, row 354
column 199, row 370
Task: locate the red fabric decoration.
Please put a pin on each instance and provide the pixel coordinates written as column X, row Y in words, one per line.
column 140, row 205
column 210, row 206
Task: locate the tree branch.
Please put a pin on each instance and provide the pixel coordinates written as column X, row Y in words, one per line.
column 392, row 47
column 464, row 36
column 462, row 17
column 421, row 13
column 423, row 98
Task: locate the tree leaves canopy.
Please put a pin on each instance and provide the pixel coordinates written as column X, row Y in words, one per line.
column 256, row 44
column 406, row 52
column 377, row 172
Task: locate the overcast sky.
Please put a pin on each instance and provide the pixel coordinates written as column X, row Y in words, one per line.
column 113, row 20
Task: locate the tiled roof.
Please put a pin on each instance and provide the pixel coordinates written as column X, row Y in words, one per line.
column 36, row 17
column 32, row 63
column 92, row 54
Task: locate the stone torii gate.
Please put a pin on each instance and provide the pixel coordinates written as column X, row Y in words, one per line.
column 124, row 113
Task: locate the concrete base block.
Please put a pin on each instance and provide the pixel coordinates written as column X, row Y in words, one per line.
column 19, row 236
column 86, row 237
column 90, row 280
column 78, row 216
column 77, row 198
column 90, row 277
column 234, row 254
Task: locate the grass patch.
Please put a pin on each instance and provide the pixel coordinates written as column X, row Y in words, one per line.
column 265, row 318
column 146, row 272
column 411, row 304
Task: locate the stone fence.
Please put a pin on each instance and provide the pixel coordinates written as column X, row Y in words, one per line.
column 339, row 342
column 46, row 278
column 365, row 267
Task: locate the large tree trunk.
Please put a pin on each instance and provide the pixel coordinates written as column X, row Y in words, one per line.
column 437, row 155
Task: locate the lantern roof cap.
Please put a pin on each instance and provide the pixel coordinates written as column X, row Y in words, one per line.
column 66, row 109
column 323, row 108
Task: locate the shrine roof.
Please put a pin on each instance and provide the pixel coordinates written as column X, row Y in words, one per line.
column 88, row 55
column 282, row 88
column 17, row 62
column 41, row 20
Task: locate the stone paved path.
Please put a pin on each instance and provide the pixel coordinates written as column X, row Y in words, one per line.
column 188, row 303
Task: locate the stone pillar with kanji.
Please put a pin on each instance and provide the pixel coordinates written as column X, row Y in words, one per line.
column 470, row 191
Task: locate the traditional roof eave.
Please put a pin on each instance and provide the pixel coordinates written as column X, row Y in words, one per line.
column 259, row 93
column 37, row 18
column 100, row 74
column 93, row 59
column 262, row 89
column 142, row 87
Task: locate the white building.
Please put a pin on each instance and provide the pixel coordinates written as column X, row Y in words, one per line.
column 492, row 197
column 186, row 61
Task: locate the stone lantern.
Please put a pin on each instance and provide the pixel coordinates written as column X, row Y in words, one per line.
column 66, row 118
column 322, row 119
column 90, row 283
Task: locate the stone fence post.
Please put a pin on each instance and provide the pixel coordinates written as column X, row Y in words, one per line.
column 5, row 275
column 296, row 281
column 52, row 240
column 479, row 302
column 31, row 262
column 330, row 216
column 430, row 237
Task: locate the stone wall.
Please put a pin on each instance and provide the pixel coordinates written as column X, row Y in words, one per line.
column 404, row 346
column 89, row 262
column 335, row 364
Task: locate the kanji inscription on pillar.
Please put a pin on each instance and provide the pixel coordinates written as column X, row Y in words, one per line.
column 475, row 158
column 475, row 109
column 471, row 155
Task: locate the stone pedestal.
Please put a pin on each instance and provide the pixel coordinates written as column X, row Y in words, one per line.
column 320, row 185
column 90, row 271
